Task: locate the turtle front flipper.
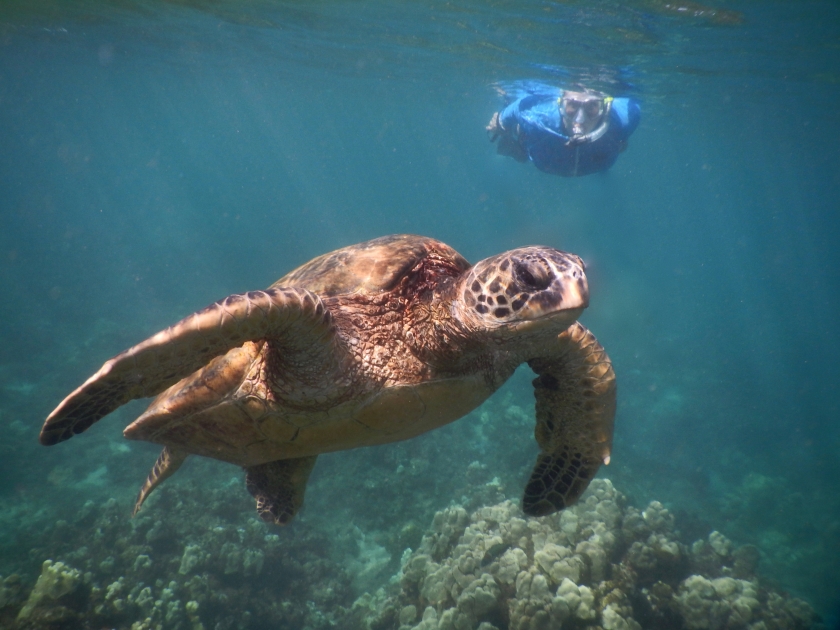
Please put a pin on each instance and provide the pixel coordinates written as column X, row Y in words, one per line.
column 279, row 487
column 167, row 463
column 575, row 408
column 172, row 354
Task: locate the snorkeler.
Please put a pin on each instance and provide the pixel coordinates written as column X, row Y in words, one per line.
column 564, row 132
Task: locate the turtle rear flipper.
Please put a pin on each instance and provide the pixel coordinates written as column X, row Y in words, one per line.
column 575, row 409
column 279, row 487
column 167, row 463
column 164, row 359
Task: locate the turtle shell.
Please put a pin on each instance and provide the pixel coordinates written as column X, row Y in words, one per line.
column 368, row 268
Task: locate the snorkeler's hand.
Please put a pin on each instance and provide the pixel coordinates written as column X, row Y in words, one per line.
column 494, row 128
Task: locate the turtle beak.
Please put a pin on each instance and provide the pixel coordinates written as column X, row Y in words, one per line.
column 553, row 284
column 556, row 320
column 565, row 295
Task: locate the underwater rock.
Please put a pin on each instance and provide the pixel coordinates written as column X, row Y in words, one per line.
column 657, row 558
column 717, row 556
column 617, row 612
column 446, row 527
column 142, row 563
column 597, row 565
column 369, row 561
column 10, row 590
column 207, row 567
column 721, row 545
column 193, row 557
column 717, row 603
column 600, row 564
column 57, row 597
column 658, row 518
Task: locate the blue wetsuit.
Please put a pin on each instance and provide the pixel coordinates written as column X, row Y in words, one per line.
column 536, row 121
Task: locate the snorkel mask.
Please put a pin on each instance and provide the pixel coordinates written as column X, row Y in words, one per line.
column 585, row 114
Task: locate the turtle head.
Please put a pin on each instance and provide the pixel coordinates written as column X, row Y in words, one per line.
column 525, row 290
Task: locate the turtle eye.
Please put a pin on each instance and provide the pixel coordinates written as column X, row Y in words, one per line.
column 534, row 277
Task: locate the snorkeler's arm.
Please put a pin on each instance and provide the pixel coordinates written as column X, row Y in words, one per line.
column 494, row 128
column 626, row 112
column 504, row 123
column 509, row 118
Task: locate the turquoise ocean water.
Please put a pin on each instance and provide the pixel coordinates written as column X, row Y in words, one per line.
column 157, row 156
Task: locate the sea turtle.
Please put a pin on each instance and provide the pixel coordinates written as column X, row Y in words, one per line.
column 369, row 344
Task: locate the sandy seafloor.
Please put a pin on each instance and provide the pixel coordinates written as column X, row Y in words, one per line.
column 157, row 156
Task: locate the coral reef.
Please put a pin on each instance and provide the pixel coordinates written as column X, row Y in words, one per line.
column 193, row 569
column 54, row 591
column 197, row 557
column 601, row 564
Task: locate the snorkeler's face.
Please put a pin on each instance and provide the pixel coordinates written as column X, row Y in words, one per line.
column 581, row 112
